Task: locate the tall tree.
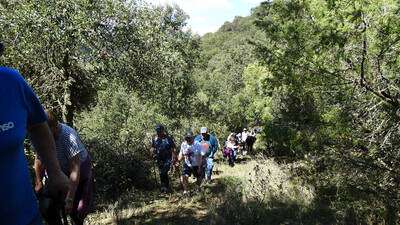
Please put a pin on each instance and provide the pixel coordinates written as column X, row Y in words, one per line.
column 343, row 56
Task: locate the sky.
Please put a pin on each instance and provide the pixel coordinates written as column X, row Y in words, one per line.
column 208, row 15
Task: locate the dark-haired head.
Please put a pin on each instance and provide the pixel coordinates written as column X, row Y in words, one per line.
column 189, row 137
column 53, row 121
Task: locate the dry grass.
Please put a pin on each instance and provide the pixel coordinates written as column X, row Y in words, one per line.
column 262, row 179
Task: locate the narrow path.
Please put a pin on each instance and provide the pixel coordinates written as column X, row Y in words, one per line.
column 255, row 191
column 173, row 208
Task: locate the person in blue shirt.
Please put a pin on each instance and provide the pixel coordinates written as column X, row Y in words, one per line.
column 210, row 142
column 20, row 112
column 163, row 150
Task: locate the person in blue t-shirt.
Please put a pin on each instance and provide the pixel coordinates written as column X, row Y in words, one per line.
column 20, row 112
column 163, row 149
column 210, row 142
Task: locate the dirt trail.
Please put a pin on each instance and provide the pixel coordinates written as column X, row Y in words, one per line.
column 174, row 208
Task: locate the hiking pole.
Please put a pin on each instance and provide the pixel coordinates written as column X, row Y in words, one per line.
column 153, row 158
column 155, row 172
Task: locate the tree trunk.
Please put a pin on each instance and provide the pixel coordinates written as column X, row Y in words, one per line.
column 70, row 115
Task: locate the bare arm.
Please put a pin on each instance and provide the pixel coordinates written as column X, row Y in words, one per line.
column 152, row 149
column 43, row 142
column 75, row 172
column 39, row 170
column 180, row 156
column 74, row 176
column 174, row 156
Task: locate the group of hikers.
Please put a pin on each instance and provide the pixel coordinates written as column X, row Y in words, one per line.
column 235, row 142
column 63, row 167
column 196, row 153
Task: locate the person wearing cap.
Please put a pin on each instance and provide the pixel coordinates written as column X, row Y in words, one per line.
column 210, row 144
column 21, row 114
column 192, row 154
column 244, row 136
column 163, row 150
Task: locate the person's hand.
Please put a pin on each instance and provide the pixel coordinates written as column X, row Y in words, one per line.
column 68, row 205
column 176, row 163
column 38, row 187
column 174, row 157
column 153, row 155
column 58, row 184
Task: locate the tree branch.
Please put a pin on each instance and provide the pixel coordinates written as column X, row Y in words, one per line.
column 363, row 81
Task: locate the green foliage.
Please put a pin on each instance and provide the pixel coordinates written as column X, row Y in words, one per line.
column 332, row 66
column 145, row 47
column 271, row 194
column 224, row 56
column 115, row 68
column 118, row 130
column 153, row 56
column 319, row 76
column 51, row 43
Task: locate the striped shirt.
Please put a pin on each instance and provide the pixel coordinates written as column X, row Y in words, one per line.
column 68, row 145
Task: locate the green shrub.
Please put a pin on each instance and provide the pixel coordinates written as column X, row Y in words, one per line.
column 118, row 131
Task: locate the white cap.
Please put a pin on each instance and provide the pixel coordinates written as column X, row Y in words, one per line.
column 203, row 130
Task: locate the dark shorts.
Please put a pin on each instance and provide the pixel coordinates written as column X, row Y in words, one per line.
column 188, row 171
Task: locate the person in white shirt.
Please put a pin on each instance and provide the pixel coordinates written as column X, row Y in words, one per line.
column 244, row 135
column 192, row 155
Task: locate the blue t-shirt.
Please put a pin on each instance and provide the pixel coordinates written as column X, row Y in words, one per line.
column 163, row 147
column 68, row 145
column 19, row 108
column 212, row 143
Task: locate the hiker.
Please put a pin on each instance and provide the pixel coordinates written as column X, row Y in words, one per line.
column 163, row 151
column 192, row 154
column 210, row 144
column 250, row 140
column 76, row 163
column 239, row 137
column 244, row 136
column 21, row 112
column 230, row 149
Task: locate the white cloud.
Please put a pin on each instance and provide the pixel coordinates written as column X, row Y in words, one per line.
column 209, row 15
column 203, row 24
column 195, row 5
column 253, row 2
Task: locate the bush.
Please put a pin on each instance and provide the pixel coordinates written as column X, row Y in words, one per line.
column 271, row 195
column 119, row 129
